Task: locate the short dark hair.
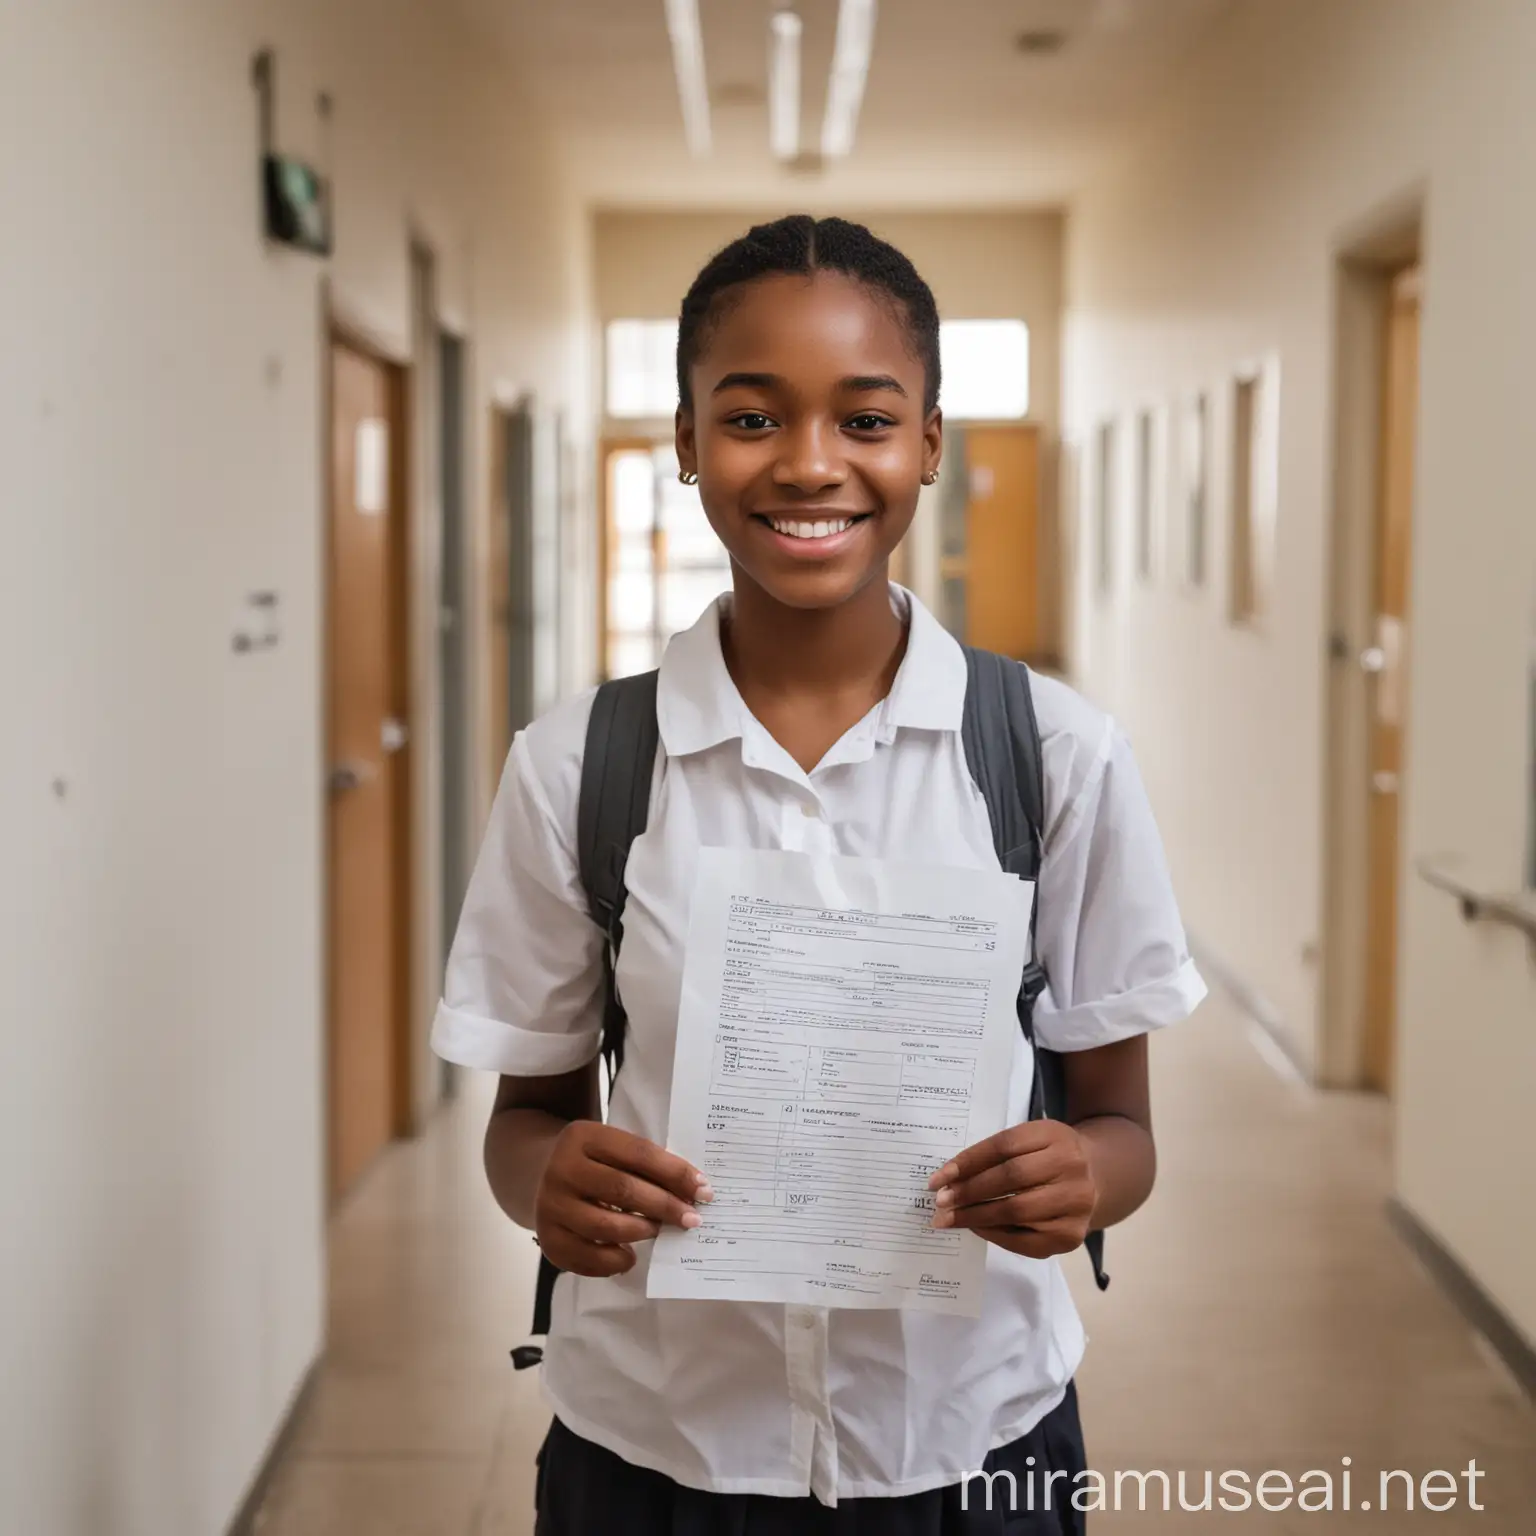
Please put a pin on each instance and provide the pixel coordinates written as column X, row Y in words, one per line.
column 802, row 244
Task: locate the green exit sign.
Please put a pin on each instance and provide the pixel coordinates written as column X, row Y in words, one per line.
column 298, row 204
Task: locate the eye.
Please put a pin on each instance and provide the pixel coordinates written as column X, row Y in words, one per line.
column 870, row 421
column 750, row 421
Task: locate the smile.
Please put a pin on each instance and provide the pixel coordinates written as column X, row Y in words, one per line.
column 806, row 528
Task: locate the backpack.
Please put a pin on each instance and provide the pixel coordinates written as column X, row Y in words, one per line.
column 1002, row 749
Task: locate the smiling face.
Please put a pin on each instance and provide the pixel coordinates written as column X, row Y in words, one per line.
column 808, row 434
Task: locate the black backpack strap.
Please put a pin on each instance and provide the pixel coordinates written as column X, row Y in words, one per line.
column 618, row 764
column 1002, row 748
column 617, row 767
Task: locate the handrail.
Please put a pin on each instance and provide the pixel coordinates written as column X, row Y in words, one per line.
column 1511, row 909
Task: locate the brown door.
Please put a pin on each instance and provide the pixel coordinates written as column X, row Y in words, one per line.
column 368, row 913
column 1386, row 661
column 1002, row 535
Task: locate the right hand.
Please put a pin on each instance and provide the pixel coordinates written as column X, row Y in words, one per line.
column 604, row 1189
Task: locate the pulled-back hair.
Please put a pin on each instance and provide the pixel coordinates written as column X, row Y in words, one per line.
column 801, row 244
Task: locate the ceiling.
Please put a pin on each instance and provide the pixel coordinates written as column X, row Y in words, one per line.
column 954, row 112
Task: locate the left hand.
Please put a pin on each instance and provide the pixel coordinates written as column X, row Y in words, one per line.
column 1029, row 1189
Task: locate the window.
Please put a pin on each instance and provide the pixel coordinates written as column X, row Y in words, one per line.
column 1146, row 481
column 1108, row 520
column 986, row 369
column 664, row 563
column 641, row 368
column 1193, row 481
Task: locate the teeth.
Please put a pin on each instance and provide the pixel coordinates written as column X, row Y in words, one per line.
column 820, row 530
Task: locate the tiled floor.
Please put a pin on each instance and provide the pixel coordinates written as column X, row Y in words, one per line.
column 1262, row 1317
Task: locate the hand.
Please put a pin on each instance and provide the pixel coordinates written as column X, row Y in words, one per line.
column 604, row 1189
column 1029, row 1189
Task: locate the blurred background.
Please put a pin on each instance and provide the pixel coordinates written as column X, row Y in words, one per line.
column 335, row 416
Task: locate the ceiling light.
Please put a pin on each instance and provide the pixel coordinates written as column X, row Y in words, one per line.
column 784, row 30
column 850, row 69
column 688, row 65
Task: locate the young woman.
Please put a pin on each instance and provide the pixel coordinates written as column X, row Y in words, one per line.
column 815, row 707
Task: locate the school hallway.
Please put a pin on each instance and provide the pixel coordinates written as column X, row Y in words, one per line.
column 337, row 444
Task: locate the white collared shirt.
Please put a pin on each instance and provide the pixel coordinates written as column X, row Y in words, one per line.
column 751, row 1397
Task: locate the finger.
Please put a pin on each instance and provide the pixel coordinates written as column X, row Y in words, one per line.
column 573, row 1254
column 601, row 1184
column 1048, row 1243
column 1027, row 1171
column 1034, row 1208
column 598, row 1224
column 1016, row 1141
column 636, row 1155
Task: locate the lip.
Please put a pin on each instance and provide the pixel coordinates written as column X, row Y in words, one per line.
column 812, row 549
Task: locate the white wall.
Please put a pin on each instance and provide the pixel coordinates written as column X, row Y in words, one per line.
column 985, row 264
column 161, row 938
column 1216, row 243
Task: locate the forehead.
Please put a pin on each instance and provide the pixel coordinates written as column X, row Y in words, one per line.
column 801, row 325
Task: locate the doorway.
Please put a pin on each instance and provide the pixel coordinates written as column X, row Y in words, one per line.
column 662, row 563
column 989, row 556
column 453, row 660
column 369, row 778
column 1379, row 322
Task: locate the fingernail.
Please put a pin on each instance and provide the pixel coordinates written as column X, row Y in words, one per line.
column 704, row 1192
column 692, row 1219
column 943, row 1176
column 944, row 1197
column 943, row 1218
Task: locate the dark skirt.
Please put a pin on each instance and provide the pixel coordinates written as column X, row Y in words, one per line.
column 584, row 1490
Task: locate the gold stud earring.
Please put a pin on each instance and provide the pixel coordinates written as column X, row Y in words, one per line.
column 688, row 477
column 931, row 478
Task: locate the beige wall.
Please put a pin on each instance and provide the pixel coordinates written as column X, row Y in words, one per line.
column 980, row 265
column 1302, row 121
column 161, row 1080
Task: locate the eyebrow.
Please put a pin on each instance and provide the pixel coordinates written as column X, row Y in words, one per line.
column 859, row 383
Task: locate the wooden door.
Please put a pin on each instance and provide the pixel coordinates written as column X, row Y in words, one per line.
column 369, row 928
column 1002, row 535
column 1386, row 661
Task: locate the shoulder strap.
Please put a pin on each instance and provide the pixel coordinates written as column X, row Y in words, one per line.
column 1002, row 748
column 618, row 764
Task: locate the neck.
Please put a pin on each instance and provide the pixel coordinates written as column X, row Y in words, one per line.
column 774, row 649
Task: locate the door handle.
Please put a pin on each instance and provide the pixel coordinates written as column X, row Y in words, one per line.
column 353, row 775
column 1373, row 659
column 393, row 735
column 1383, row 783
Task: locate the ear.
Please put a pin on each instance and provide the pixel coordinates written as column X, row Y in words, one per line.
column 686, row 442
column 933, row 441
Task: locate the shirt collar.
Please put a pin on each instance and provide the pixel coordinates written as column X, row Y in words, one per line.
column 698, row 705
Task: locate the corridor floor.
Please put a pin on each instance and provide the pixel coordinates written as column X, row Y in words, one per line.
column 1263, row 1316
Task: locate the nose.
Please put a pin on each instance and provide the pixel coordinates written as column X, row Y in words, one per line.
column 810, row 459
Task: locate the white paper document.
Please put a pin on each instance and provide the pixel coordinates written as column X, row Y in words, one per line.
column 846, row 1026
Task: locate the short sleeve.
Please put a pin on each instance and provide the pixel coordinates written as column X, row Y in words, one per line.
column 1109, row 933
column 522, row 991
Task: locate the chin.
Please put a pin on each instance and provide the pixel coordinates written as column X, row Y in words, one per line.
column 826, row 587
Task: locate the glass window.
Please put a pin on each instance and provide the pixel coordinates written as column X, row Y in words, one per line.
column 1109, row 521
column 986, row 369
column 642, row 368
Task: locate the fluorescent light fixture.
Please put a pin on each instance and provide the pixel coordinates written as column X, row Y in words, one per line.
column 850, row 69
column 784, row 28
column 688, row 64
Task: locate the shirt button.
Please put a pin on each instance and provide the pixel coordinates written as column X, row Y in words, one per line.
column 805, row 1320
column 813, row 811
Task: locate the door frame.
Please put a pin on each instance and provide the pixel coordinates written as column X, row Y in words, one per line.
column 338, row 330
column 1365, row 266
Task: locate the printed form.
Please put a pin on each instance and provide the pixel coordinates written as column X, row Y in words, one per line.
column 846, row 1026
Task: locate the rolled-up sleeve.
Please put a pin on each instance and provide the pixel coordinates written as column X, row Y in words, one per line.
column 522, row 991
column 1109, row 932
